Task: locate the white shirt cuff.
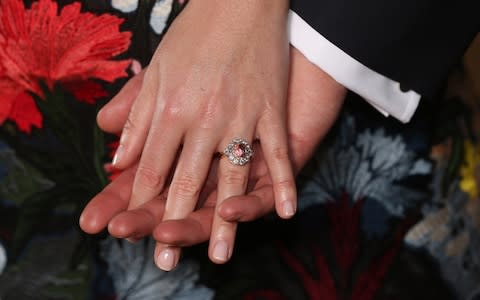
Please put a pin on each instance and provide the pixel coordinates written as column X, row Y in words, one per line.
column 381, row 92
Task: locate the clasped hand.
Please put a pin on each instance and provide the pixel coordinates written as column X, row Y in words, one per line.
column 187, row 106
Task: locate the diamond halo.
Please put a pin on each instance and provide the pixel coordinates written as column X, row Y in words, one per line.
column 239, row 152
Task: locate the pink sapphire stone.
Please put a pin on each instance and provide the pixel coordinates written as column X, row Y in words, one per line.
column 239, row 150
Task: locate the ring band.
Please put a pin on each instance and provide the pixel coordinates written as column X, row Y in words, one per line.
column 239, row 152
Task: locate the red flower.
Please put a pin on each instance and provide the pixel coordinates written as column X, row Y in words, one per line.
column 316, row 289
column 41, row 45
column 25, row 112
column 345, row 232
column 350, row 282
column 112, row 172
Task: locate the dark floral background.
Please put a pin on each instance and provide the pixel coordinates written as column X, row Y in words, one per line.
column 386, row 211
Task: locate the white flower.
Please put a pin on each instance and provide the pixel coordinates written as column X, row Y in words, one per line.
column 125, row 6
column 450, row 234
column 159, row 16
column 450, row 229
column 136, row 277
column 367, row 164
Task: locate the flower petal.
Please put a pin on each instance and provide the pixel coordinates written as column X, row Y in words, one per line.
column 85, row 91
column 125, row 6
column 40, row 44
column 25, row 113
column 8, row 91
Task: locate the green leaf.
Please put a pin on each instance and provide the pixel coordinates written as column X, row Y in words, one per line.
column 99, row 152
column 37, row 211
column 72, row 129
column 44, row 153
column 22, row 180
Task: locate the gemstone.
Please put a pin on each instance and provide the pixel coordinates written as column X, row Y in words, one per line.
column 239, row 150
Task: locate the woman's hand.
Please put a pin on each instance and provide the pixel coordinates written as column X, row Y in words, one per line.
column 220, row 73
column 314, row 102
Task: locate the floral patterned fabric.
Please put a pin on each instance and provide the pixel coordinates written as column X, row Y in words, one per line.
column 386, row 211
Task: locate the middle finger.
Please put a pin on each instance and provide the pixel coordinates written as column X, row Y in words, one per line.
column 188, row 180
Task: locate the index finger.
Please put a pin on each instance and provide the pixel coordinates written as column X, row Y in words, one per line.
column 105, row 205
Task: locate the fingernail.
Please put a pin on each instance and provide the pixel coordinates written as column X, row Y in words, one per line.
column 220, row 251
column 288, row 209
column 118, row 154
column 132, row 240
column 166, row 259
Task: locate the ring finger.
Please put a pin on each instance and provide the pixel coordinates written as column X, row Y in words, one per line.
column 233, row 176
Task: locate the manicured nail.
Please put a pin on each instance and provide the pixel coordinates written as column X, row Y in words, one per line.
column 118, row 154
column 288, row 210
column 166, row 259
column 220, row 251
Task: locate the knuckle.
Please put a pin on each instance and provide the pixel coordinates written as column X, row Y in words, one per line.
column 280, row 153
column 285, row 186
column 171, row 111
column 169, row 101
column 209, row 115
column 129, row 124
column 149, row 177
column 186, row 187
column 234, row 177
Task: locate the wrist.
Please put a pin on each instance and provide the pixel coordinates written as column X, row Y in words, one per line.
column 245, row 12
column 280, row 6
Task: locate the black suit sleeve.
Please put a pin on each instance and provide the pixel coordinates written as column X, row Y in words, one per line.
column 413, row 42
